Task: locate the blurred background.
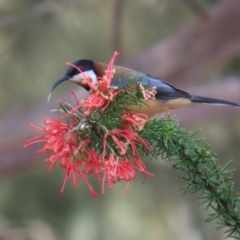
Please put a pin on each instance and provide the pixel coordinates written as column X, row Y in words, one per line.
column 192, row 44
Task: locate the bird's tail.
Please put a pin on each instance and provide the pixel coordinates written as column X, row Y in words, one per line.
column 198, row 99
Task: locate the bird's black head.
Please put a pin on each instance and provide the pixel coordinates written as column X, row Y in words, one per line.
column 86, row 66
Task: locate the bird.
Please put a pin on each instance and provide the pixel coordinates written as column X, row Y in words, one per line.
column 167, row 96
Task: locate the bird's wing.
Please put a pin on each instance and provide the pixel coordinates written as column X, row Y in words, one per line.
column 164, row 90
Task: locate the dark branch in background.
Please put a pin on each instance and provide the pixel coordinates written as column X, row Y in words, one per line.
column 117, row 26
column 197, row 8
column 196, row 48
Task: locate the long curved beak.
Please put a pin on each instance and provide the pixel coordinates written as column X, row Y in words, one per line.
column 60, row 80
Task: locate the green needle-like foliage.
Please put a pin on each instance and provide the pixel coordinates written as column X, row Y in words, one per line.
column 199, row 168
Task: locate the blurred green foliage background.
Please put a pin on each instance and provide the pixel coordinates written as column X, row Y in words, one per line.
column 37, row 37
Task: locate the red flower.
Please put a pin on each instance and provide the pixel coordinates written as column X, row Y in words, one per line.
column 121, row 169
column 129, row 138
column 135, row 120
column 71, row 141
column 72, row 170
column 117, row 170
column 62, row 144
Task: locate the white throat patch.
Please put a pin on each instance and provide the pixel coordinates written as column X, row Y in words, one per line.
column 80, row 76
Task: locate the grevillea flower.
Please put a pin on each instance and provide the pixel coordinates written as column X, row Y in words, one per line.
column 82, row 146
column 117, row 170
column 135, row 120
column 62, row 145
column 128, row 141
column 121, row 169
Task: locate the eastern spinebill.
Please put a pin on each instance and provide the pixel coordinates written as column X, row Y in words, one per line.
column 167, row 96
